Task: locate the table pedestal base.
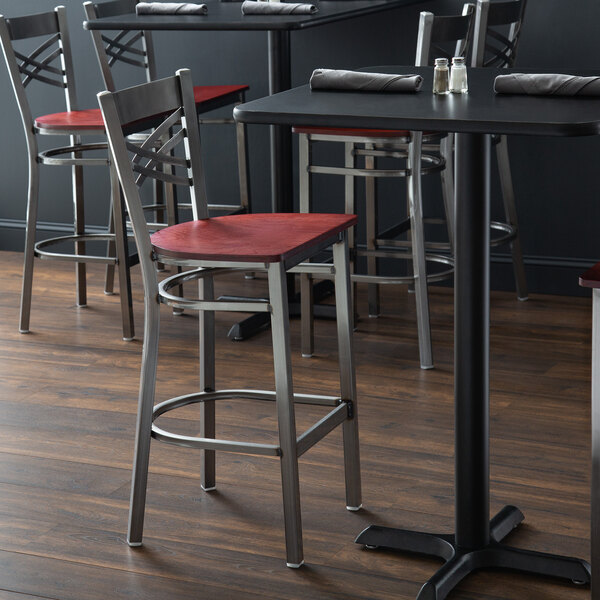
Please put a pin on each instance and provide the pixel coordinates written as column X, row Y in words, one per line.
column 460, row 561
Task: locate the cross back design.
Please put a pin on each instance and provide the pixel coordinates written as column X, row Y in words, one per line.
column 500, row 49
column 154, row 159
column 33, row 65
column 123, row 47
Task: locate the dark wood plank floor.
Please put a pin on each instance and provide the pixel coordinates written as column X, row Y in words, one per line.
column 67, row 412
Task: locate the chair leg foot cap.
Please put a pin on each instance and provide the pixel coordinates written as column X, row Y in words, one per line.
column 354, row 508
column 426, row 367
column 294, row 565
column 128, row 339
column 23, row 330
column 522, row 298
column 209, row 489
column 306, row 355
column 134, row 544
column 108, row 293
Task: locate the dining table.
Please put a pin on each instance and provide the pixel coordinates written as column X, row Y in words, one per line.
column 478, row 541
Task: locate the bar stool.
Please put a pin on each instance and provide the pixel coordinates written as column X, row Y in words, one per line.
column 591, row 279
column 51, row 64
column 271, row 243
column 136, row 49
column 423, row 154
column 495, row 49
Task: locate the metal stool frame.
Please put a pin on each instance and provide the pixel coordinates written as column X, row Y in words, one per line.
column 435, row 150
column 174, row 96
column 494, row 49
column 38, row 66
column 136, row 48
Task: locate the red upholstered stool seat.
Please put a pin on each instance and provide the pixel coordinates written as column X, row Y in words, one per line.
column 204, row 93
column 84, row 120
column 269, row 237
column 591, row 278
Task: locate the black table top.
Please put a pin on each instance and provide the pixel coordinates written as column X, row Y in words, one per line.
column 479, row 111
column 228, row 16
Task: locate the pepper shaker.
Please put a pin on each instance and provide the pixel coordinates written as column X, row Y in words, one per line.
column 441, row 76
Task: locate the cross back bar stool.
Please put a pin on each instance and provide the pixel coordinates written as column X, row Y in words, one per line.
column 497, row 48
column 51, row 64
column 275, row 243
column 423, row 154
column 136, row 49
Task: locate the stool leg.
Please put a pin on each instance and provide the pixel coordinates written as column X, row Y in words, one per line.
column 418, row 249
column 307, row 316
column 510, row 209
column 109, row 275
column 343, row 303
column 372, row 226
column 595, row 504
column 122, row 256
column 207, row 382
column 143, row 433
column 243, row 167
column 285, row 414
column 79, row 228
column 350, row 209
column 447, row 177
column 29, row 253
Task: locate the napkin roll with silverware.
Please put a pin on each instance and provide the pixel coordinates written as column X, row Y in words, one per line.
column 547, row 84
column 336, row 79
column 170, row 8
column 251, row 7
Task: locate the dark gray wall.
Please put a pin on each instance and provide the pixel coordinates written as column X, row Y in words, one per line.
column 555, row 180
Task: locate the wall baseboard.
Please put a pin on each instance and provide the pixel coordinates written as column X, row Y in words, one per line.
column 545, row 274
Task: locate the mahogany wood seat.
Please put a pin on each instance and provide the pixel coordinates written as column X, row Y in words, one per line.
column 277, row 244
column 73, row 120
column 269, row 237
column 50, row 63
column 229, row 93
column 591, row 278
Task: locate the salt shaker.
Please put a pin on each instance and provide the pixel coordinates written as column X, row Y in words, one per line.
column 458, row 76
column 440, row 76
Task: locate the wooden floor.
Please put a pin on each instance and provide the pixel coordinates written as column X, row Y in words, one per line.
column 67, row 411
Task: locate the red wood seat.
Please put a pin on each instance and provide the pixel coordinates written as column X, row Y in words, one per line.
column 85, row 120
column 204, row 93
column 269, row 237
column 591, row 278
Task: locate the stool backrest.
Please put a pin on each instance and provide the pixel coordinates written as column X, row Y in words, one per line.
column 133, row 48
column 158, row 106
column 455, row 31
column 49, row 63
column 497, row 32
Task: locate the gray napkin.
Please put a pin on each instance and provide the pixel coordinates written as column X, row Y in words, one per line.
column 250, row 7
column 170, row 8
column 547, row 84
column 331, row 79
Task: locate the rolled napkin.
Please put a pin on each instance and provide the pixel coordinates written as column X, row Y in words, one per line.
column 334, row 79
column 170, row 8
column 547, row 84
column 251, row 7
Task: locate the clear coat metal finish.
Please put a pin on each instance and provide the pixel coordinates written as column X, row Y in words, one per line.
column 435, row 155
column 51, row 64
column 174, row 97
